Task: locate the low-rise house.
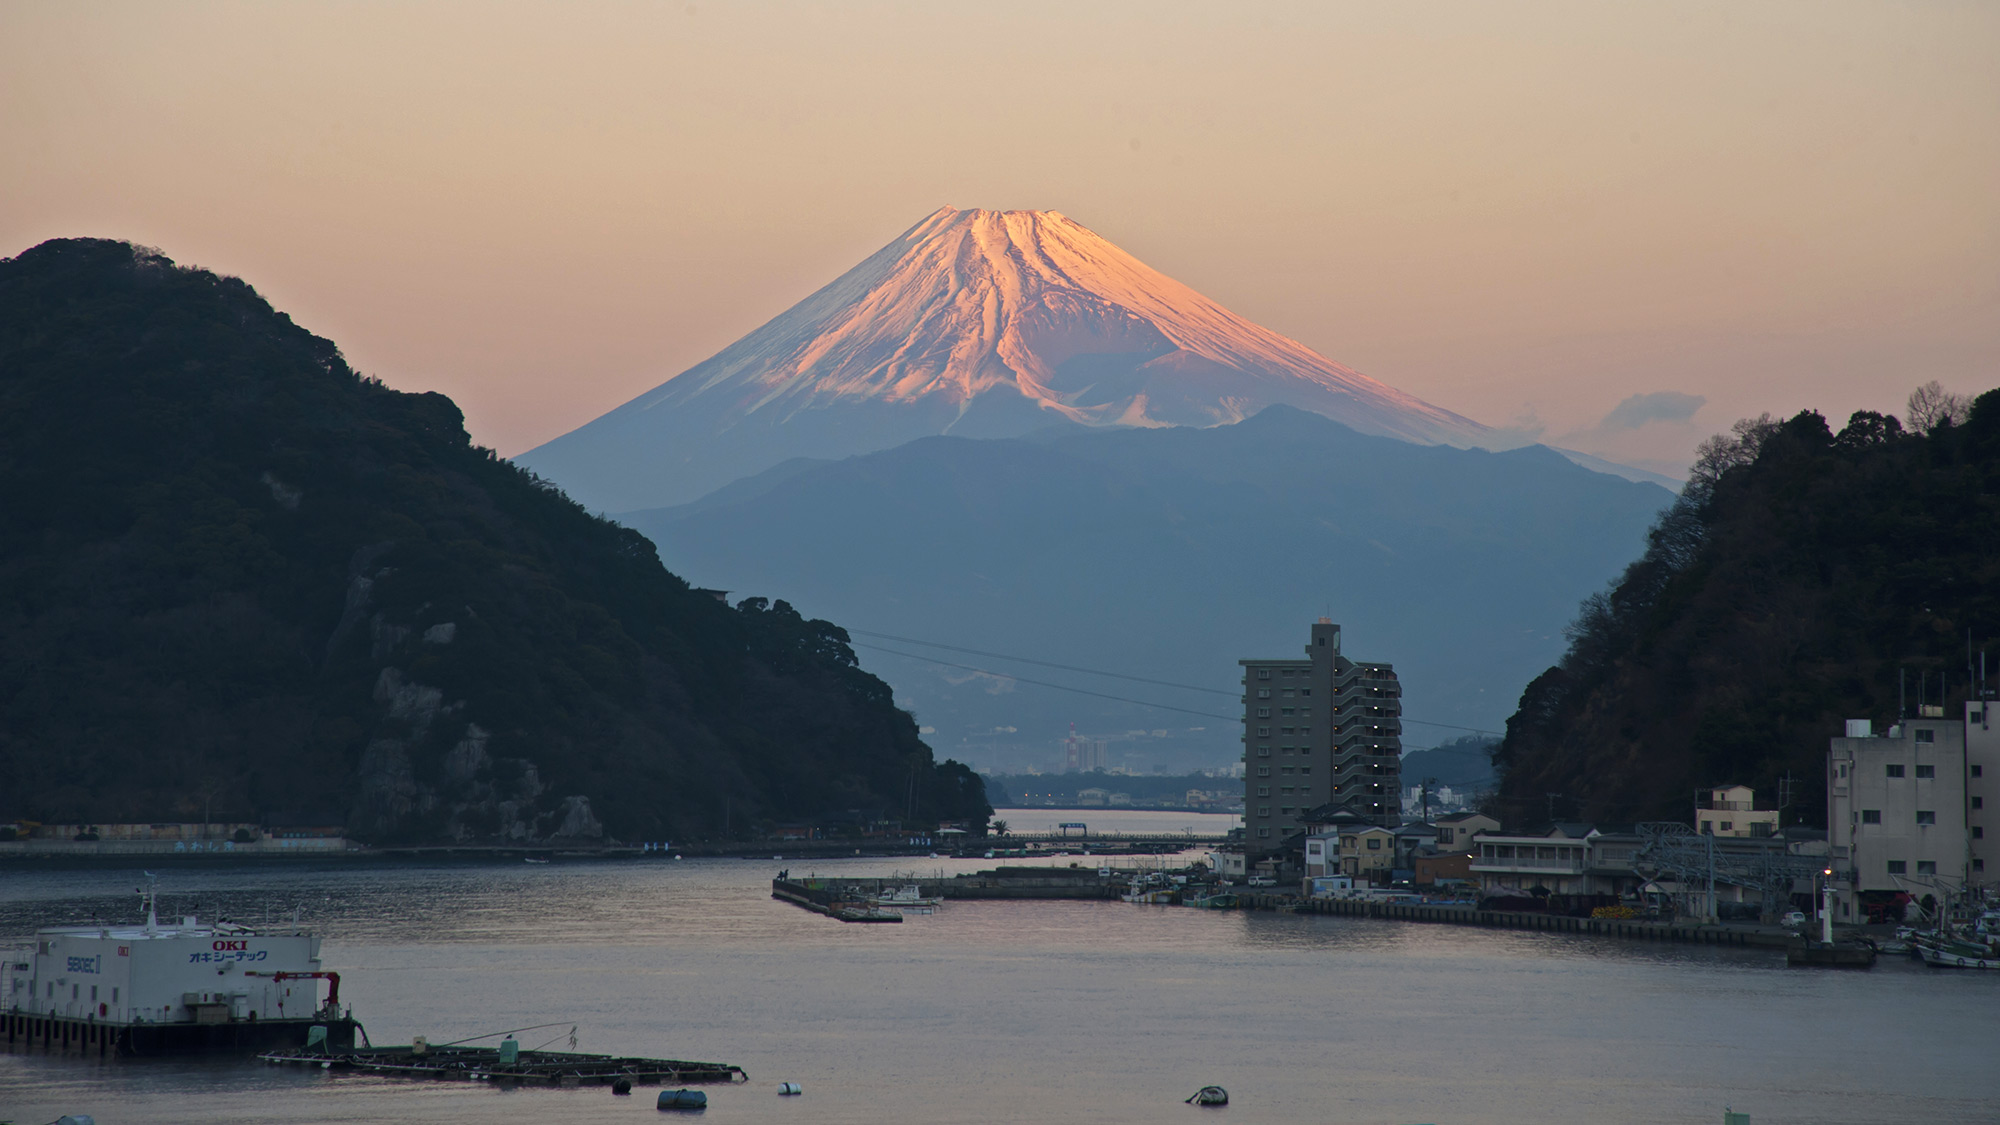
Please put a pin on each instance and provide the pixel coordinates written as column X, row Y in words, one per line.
column 1368, row 853
column 1442, row 869
column 1455, row 832
column 1731, row 810
column 1322, row 854
column 1412, row 839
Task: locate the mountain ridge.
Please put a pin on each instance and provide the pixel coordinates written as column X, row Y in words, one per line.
column 239, row 580
column 977, row 323
column 1169, row 553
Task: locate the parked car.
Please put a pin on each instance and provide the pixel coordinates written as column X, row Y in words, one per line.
column 1794, row 918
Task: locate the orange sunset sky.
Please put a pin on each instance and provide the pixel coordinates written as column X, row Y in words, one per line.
column 1528, row 213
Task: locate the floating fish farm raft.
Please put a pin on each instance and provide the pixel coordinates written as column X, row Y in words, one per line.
column 490, row 1064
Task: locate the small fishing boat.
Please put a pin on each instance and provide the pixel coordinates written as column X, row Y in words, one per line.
column 1954, row 954
column 909, row 899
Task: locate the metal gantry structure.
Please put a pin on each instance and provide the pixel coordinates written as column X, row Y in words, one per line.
column 1696, row 862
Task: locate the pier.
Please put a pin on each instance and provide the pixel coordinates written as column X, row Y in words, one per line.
column 490, row 1064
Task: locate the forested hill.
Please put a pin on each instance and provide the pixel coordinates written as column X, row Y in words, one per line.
column 240, row 582
column 1799, row 571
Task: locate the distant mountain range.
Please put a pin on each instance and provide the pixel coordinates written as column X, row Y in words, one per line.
column 973, row 324
column 1169, row 554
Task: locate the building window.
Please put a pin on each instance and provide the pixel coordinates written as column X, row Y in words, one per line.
column 1284, row 710
column 1285, row 810
column 1897, row 867
column 1926, row 734
column 1286, row 769
column 1374, row 843
column 1926, row 771
column 1263, row 771
column 1263, row 810
column 1263, row 732
column 1263, row 790
column 1263, row 673
column 1978, row 833
column 1287, row 693
column 1871, row 816
column 1305, row 691
column 1979, row 771
column 1263, row 832
column 1893, row 769
column 1309, row 769
column 1979, row 802
column 1927, row 867
column 1727, row 826
column 1979, row 865
column 1305, row 732
column 1264, row 693
column 1926, row 816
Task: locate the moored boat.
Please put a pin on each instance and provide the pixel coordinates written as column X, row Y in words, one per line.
column 155, row 987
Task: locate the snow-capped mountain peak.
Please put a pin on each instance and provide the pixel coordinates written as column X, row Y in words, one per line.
column 980, row 323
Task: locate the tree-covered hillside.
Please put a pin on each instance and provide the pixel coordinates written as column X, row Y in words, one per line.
column 1798, row 575
column 239, row 581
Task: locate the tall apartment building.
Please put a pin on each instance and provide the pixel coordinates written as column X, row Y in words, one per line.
column 1908, row 810
column 1325, row 730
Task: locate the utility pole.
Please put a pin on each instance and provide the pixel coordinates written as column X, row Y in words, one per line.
column 1552, row 807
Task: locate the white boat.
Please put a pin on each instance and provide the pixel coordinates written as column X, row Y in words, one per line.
column 909, row 898
column 1959, row 955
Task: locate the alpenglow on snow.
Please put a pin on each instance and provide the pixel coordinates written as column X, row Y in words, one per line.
column 973, row 323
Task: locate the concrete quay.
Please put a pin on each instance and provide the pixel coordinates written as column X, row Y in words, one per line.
column 1769, row 937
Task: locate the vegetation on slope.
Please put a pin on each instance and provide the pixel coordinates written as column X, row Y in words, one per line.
column 1796, row 578
column 239, row 581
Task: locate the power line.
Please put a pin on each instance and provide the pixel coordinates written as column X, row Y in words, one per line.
column 1091, row 672
column 1063, row 687
column 1046, row 684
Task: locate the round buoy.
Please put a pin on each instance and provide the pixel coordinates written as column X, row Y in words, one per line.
column 622, row 1086
column 789, row 1088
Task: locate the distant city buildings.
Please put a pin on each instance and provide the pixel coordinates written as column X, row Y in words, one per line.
column 1906, row 810
column 1082, row 755
column 1325, row 730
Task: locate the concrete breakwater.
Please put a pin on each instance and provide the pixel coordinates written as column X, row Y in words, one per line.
column 1085, row 883
column 1523, row 920
column 999, row 883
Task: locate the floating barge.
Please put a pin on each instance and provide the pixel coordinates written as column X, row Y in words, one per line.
column 499, row 1064
column 159, row 987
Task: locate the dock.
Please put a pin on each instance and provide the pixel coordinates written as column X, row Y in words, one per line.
column 490, row 1064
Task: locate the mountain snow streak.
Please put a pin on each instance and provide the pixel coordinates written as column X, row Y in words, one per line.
column 980, row 323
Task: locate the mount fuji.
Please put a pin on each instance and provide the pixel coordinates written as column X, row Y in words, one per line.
column 983, row 324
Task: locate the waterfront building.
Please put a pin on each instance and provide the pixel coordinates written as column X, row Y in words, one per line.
column 1412, row 839
column 1455, row 832
column 1368, row 853
column 1731, row 810
column 1322, row 852
column 1568, row 860
column 1907, row 810
column 1325, row 730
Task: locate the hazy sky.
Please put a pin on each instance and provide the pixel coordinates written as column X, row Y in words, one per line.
column 1525, row 212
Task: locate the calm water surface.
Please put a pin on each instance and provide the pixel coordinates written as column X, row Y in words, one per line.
column 1086, row 1012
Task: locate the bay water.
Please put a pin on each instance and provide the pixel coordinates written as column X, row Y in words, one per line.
column 1021, row 1011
